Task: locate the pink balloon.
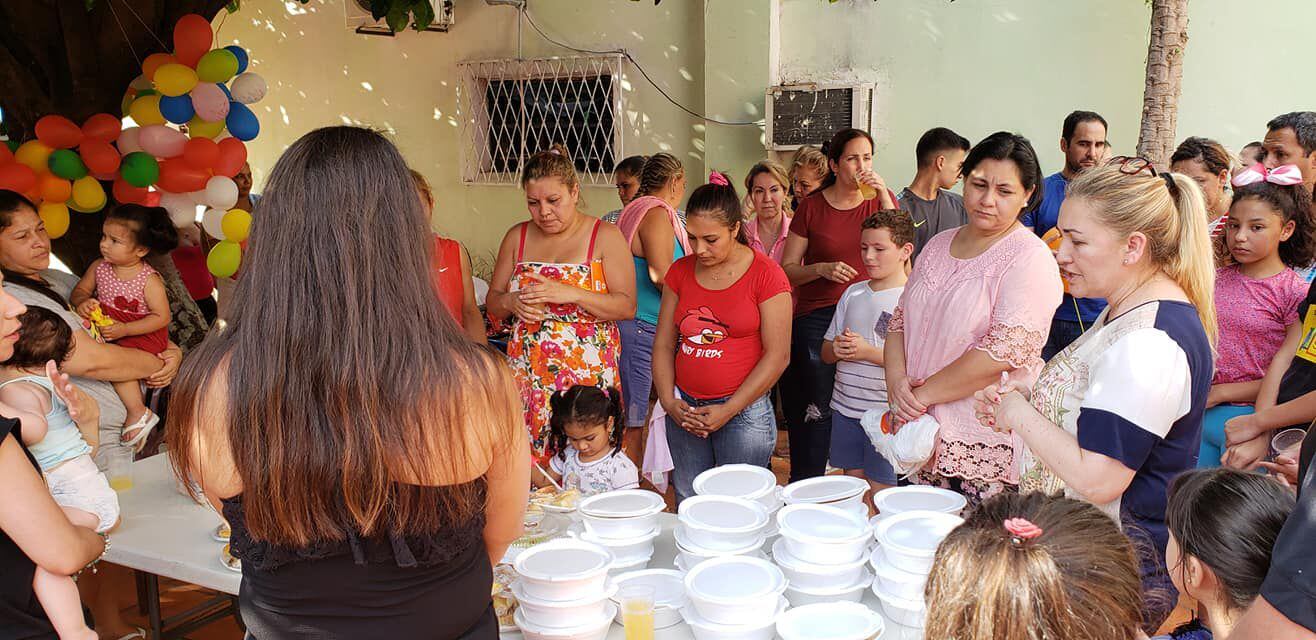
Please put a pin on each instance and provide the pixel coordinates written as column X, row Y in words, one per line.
column 210, row 102
column 129, row 140
column 161, row 141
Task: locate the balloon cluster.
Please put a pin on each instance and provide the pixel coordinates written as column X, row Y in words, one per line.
column 63, row 167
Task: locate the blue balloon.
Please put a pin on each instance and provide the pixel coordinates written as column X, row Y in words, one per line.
column 241, row 55
column 223, row 87
column 241, row 122
column 177, row 109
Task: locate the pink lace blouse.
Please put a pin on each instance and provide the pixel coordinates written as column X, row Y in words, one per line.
column 1000, row 302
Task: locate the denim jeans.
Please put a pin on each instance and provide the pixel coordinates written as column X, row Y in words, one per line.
column 747, row 438
column 636, row 365
column 806, row 395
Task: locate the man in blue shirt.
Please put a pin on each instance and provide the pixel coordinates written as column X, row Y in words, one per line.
column 1083, row 141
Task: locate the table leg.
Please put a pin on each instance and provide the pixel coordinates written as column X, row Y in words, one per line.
column 139, row 577
column 153, row 604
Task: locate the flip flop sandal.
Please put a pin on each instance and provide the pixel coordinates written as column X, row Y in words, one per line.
column 144, row 426
column 133, row 635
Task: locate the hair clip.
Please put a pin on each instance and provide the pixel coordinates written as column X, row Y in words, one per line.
column 1021, row 530
column 719, row 179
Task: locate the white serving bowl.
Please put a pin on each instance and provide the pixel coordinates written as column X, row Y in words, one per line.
column 830, row 621
column 562, row 615
column 823, row 534
column 735, row 590
column 909, row 540
column 747, row 481
column 621, row 514
column 668, row 594
column 563, row 570
column 694, row 553
column 918, row 498
column 904, row 612
column 596, row 629
column 811, row 575
column 722, row 523
column 896, row 581
column 846, row 592
column 704, row 630
column 625, row 550
column 837, row 491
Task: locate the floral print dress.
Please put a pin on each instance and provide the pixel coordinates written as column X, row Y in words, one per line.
column 569, row 347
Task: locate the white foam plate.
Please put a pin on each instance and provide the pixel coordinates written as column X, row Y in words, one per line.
column 628, row 503
column 918, row 498
column 830, row 621
column 824, row 489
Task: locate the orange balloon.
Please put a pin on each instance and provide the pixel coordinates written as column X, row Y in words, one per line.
column 201, row 153
column 192, row 38
column 54, row 188
column 100, row 157
column 102, row 127
column 58, row 132
column 6, row 156
column 232, row 155
column 124, row 192
column 177, row 177
column 155, row 61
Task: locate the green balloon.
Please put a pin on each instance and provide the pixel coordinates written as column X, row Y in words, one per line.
column 217, row 66
column 139, row 169
column 224, row 259
column 66, row 164
column 12, row 144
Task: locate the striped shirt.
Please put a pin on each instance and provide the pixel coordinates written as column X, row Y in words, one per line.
column 861, row 386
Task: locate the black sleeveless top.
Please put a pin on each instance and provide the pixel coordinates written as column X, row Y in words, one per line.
column 21, row 615
column 434, row 587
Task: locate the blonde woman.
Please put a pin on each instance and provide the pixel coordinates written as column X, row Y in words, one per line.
column 809, row 169
column 767, row 188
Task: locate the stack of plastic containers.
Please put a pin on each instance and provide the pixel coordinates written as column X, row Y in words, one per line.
column 625, row 523
column 822, row 551
column 715, row 526
column 734, row 597
column 564, row 592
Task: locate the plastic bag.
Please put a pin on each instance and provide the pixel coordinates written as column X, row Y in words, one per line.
column 908, row 449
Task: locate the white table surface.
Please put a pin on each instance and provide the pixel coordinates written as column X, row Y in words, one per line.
column 165, row 533
column 664, row 553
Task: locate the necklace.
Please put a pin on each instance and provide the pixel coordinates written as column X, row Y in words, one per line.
column 730, row 269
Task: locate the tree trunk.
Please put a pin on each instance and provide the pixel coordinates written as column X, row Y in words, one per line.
column 1160, row 98
column 58, row 57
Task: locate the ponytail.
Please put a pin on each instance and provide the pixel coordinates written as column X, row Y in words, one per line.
column 659, row 169
column 836, row 146
column 1192, row 266
column 152, row 226
column 718, row 199
column 618, row 414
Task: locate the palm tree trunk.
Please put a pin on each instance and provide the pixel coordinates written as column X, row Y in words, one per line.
column 1160, row 98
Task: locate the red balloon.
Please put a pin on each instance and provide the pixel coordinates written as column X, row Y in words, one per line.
column 154, row 62
column 152, row 199
column 232, row 155
column 100, row 157
column 58, row 132
column 201, row 153
column 54, row 188
column 124, row 192
column 177, row 177
column 6, row 156
column 102, row 127
column 192, row 38
column 18, row 177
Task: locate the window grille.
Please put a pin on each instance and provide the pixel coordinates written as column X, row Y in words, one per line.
column 515, row 107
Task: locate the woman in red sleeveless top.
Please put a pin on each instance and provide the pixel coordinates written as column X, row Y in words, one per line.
column 452, row 273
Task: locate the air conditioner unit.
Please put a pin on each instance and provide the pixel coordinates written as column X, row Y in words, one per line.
column 360, row 20
column 807, row 114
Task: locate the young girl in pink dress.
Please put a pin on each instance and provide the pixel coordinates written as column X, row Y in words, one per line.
column 132, row 296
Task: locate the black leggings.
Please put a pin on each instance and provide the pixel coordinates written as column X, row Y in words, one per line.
column 806, row 395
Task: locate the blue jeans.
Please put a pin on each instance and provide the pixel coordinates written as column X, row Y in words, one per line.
column 1063, row 332
column 636, row 364
column 1213, row 432
column 806, row 395
column 747, row 438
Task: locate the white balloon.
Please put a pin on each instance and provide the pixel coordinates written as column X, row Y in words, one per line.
column 248, row 88
column 180, row 207
column 213, row 222
column 221, row 193
column 128, row 140
column 198, row 197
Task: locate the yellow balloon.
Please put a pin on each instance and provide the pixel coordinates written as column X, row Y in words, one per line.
column 35, row 155
column 88, row 195
column 145, row 111
column 236, row 225
column 56, row 217
column 224, row 259
column 174, row 79
column 198, row 128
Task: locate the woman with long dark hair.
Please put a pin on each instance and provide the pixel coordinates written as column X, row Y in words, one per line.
column 370, row 459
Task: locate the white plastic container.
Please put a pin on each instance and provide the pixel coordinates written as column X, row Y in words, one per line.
column 896, row 581
column 918, row 498
column 906, row 613
column 668, row 594
column 909, row 540
column 830, row 621
column 823, row 534
column 563, row 570
column 562, row 615
column 619, row 568
column 760, row 630
column 811, row 575
column 735, row 590
column 621, row 514
column 845, row 592
column 625, row 550
column 837, row 491
column 681, row 564
column 596, row 629
column 722, row 523
column 747, row 481
column 694, row 554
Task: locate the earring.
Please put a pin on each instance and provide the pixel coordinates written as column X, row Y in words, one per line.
column 1126, row 261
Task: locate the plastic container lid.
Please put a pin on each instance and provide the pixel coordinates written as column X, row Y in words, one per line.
column 723, row 513
column 820, row 523
column 628, row 503
column 683, row 543
column 884, row 569
column 589, row 536
column 563, row 560
column 519, row 591
column 693, row 619
column 830, row 621
column 916, row 533
column 824, row 489
column 734, row 580
column 782, row 556
column 518, row 616
column 864, row 581
column 668, row 585
column 740, row 480
column 918, row 498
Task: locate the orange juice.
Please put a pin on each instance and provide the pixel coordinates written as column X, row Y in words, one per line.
column 867, row 191
column 638, row 624
column 121, row 483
